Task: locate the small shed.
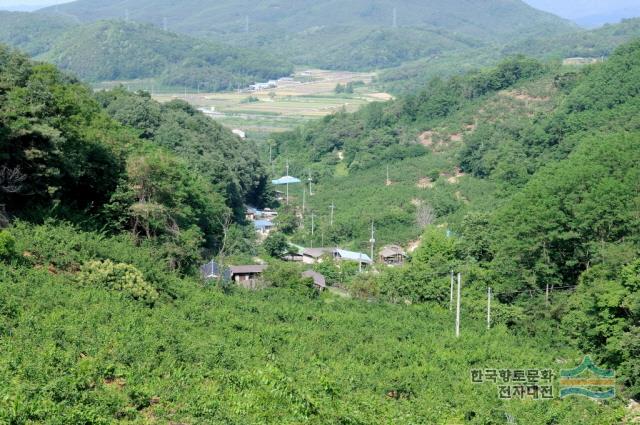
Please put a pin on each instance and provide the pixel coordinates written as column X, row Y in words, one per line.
column 319, row 280
column 392, row 255
column 250, row 273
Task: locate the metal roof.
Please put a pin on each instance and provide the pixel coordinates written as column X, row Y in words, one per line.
column 286, row 180
column 318, row 279
column 257, row 268
column 263, row 224
column 354, row 256
column 316, row 252
column 392, row 250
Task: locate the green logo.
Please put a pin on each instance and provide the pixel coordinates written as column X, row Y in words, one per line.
column 588, row 380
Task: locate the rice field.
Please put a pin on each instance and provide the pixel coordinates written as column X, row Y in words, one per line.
column 309, row 95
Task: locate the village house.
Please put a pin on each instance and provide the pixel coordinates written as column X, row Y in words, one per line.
column 247, row 276
column 314, row 255
column 319, row 281
column 358, row 257
column 264, row 227
column 392, row 255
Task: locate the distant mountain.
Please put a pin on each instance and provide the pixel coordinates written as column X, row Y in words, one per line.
column 354, row 34
column 118, row 50
column 596, row 20
column 32, row 33
column 590, row 13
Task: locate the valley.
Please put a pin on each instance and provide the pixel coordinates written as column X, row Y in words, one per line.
column 318, row 212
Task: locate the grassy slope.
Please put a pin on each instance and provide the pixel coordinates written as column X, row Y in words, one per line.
column 81, row 355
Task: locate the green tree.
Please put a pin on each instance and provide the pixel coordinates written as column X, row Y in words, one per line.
column 276, row 245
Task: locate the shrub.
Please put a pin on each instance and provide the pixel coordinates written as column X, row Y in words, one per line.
column 7, row 246
column 119, row 277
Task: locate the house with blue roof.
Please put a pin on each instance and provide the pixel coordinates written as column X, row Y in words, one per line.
column 264, row 227
column 359, row 257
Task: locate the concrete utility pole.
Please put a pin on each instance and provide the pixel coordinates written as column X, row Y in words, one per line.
column 489, row 308
column 451, row 296
column 304, row 201
column 372, row 241
column 547, row 294
column 310, row 183
column 313, row 228
column 333, row 207
column 287, row 175
column 458, row 305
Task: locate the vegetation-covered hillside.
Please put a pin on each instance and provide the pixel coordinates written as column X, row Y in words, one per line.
column 530, row 167
column 339, row 35
column 63, row 157
column 589, row 44
column 118, row 50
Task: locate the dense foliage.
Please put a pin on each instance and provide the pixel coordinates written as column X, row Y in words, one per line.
column 232, row 165
column 64, row 157
column 77, row 354
column 118, row 50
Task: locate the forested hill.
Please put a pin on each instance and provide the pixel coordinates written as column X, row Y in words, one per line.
column 164, row 174
column 532, row 168
column 500, row 143
column 119, row 50
column 355, row 34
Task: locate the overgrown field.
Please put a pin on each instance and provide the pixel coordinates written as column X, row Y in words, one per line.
column 71, row 354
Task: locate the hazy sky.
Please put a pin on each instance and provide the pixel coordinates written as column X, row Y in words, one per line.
column 573, row 9
column 28, row 4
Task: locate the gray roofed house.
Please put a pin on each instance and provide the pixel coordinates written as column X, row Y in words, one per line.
column 314, row 255
column 247, row 276
column 319, row 280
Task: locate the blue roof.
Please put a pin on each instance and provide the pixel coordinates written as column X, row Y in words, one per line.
column 286, row 180
column 263, row 224
column 355, row 256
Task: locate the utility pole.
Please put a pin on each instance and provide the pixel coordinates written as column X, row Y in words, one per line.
column 458, row 306
column 451, row 297
column 388, row 182
column 489, row 308
column 287, row 175
column 313, row 228
column 372, row 241
column 547, row 295
column 304, row 200
column 333, row 207
column 310, row 183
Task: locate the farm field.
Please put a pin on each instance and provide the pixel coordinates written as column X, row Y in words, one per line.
column 310, row 95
